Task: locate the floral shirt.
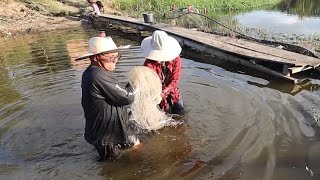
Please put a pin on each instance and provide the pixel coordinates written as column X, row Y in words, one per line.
column 169, row 74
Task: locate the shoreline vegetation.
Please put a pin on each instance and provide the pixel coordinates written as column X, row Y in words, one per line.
column 136, row 7
column 27, row 16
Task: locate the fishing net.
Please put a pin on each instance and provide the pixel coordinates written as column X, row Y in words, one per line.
column 148, row 88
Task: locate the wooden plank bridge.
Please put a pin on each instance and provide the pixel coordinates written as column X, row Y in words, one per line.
column 252, row 54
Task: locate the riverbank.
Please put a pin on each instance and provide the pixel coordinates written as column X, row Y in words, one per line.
column 248, row 122
column 26, row 16
column 162, row 6
column 22, row 18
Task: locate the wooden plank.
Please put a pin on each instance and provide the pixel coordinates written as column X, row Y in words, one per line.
column 239, row 46
column 218, row 52
column 249, row 63
column 285, row 70
column 231, row 47
column 216, row 44
column 208, row 41
column 294, row 70
column 300, row 59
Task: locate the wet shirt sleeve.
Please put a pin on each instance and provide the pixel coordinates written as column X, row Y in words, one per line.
column 150, row 64
column 174, row 77
column 115, row 93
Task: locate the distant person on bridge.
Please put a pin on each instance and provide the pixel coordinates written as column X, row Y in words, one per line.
column 97, row 6
column 162, row 53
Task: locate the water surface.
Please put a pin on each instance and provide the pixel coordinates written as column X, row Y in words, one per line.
column 281, row 23
column 239, row 124
column 290, row 21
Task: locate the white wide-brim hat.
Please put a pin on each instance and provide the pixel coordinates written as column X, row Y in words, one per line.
column 160, row 47
column 98, row 45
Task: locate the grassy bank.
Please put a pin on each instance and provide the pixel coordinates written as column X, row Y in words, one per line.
column 138, row 6
column 55, row 6
column 26, row 16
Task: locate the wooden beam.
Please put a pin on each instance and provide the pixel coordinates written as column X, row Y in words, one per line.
column 229, row 57
column 209, row 48
column 294, row 70
column 242, row 47
column 285, row 70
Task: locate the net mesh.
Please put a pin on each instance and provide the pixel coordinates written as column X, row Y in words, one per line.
column 148, row 88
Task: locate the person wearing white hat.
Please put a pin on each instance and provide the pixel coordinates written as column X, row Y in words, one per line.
column 162, row 53
column 105, row 100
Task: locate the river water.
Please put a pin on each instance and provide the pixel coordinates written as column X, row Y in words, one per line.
column 289, row 17
column 289, row 21
column 239, row 124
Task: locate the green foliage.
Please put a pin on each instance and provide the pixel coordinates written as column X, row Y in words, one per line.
column 55, row 6
column 208, row 5
column 301, row 7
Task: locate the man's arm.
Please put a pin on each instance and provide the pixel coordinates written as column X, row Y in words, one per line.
column 115, row 92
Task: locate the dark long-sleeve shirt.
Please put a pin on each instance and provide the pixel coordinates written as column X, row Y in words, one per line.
column 105, row 103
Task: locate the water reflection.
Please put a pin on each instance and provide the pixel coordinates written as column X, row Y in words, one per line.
column 158, row 157
column 289, row 88
column 75, row 49
column 240, row 124
column 10, row 98
column 278, row 22
column 300, row 7
column 305, row 84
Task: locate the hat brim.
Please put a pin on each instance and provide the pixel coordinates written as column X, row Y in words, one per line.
column 171, row 51
column 85, row 56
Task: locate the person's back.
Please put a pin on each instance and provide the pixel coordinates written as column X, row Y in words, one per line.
column 162, row 54
column 96, row 9
column 104, row 112
column 105, row 100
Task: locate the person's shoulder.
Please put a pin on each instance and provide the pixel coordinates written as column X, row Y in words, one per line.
column 147, row 61
column 178, row 58
column 175, row 60
column 96, row 69
column 95, row 72
column 100, row 74
column 88, row 71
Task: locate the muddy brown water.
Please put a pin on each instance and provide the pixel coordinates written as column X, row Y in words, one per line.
column 239, row 124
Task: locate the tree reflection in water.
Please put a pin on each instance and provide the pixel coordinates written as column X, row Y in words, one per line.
column 300, row 7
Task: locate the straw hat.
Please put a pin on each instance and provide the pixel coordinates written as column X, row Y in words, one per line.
column 160, row 47
column 98, row 45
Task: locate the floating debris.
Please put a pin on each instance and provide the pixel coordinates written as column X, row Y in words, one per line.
column 309, row 170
